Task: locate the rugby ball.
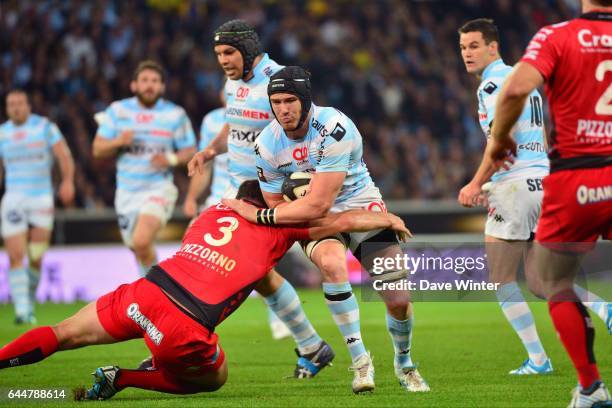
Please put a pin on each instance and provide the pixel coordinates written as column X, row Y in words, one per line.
column 296, row 185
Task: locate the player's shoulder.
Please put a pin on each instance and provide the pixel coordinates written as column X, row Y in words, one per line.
column 122, row 104
column 6, row 126
column 329, row 121
column 493, row 77
column 269, row 67
column 165, row 105
column 215, row 115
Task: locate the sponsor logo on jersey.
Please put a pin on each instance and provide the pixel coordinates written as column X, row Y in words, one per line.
column 247, row 113
column 243, row 135
column 482, row 116
column 282, row 166
column 300, row 153
column 591, row 195
column 143, row 149
column 19, row 135
column 532, row 146
column 209, row 257
column 489, row 88
column 595, row 128
column 587, row 39
column 242, row 92
column 535, row 45
column 256, row 150
column 319, row 127
column 144, row 117
column 339, row 132
column 143, row 321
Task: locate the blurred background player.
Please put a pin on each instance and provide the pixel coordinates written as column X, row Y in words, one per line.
column 28, row 144
column 324, row 141
column 150, row 136
column 572, row 59
column 515, row 195
column 247, row 112
column 215, row 174
column 178, row 305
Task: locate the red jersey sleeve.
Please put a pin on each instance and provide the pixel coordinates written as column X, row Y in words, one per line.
column 295, row 234
column 545, row 48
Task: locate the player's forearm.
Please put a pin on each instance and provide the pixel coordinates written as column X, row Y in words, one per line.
column 302, row 210
column 484, row 172
column 198, row 183
column 362, row 220
column 105, row 148
column 184, row 155
column 219, row 143
column 66, row 164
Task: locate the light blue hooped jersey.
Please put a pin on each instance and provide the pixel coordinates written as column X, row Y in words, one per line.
column 212, row 124
column 161, row 129
column 247, row 112
column 27, row 155
column 531, row 157
column 331, row 144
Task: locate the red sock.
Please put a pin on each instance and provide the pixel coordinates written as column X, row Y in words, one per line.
column 155, row 380
column 576, row 332
column 29, row 348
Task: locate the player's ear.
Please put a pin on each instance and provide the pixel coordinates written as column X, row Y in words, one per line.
column 133, row 86
column 493, row 48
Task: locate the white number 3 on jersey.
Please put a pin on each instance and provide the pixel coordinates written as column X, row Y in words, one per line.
column 226, row 230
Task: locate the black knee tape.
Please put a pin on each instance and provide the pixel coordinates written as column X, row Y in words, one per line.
column 338, row 297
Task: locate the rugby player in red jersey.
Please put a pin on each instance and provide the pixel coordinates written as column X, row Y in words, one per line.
column 177, row 306
column 574, row 60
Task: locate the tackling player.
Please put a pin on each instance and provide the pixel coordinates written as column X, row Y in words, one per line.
column 573, row 60
column 28, row 144
column 177, row 306
column 150, row 136
column 322, row 140
column 247, row 112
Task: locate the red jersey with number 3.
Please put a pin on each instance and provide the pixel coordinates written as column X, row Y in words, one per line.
column 221, row 259
column 575, row 58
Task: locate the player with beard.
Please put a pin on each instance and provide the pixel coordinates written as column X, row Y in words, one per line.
column 150, row 136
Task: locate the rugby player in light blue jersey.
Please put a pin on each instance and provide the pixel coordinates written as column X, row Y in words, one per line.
column 247, row 112
column 515, row 195
column 322, row 140
column 219, row 180
column 28, row 144
column 150, row 136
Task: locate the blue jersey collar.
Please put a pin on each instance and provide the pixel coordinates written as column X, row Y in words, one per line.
column 258, row 70
column 490, row 67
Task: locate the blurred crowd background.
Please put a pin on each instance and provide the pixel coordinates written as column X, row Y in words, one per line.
column 392, row 65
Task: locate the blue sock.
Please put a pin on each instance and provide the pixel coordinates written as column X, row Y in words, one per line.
column 345, row 312
column 286, row 304
column 593, row 302
column 401, row 336
column 519, row 315
column 20, row 292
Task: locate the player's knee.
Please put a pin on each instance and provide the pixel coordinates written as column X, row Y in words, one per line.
column 398, row 307
column 332, row 267
column 36, row 250
column 141, row 244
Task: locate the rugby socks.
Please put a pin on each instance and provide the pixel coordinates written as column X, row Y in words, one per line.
column 34, row 279
column 31, row 347
column 401, row 337
column 519, row 315
column 286, row 304
column 593, row 302
column 345, row 312
column 576, row 332
column 155, row 380
column 20, row 292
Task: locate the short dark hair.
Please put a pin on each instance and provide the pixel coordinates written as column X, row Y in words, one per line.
column 17, row 91
column 250, row 191
column 486, row 26
column 152, row 65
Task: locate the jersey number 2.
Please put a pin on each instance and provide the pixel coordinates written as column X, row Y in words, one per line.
column 604, row 103
column 226, row 230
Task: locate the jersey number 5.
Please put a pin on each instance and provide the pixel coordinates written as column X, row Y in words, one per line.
column 604, row 103
column 226, row 230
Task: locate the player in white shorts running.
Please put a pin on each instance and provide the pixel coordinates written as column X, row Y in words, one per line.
column 28, row 144
column 150, row 136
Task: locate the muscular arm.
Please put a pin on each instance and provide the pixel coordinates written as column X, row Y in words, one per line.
column 357, row 221
column 324, row 188
column 66, row 164
column 105, row 148
column 184, row 155
column 219, row 143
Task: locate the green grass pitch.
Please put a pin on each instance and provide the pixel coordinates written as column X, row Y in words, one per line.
column 464, row 350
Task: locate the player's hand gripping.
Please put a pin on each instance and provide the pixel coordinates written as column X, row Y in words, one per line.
column 243, row 208
column 472, row 194
column 125, row 138
column 397, row 225
column 198, row 161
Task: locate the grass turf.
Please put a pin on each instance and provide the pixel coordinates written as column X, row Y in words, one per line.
column 464, row 350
